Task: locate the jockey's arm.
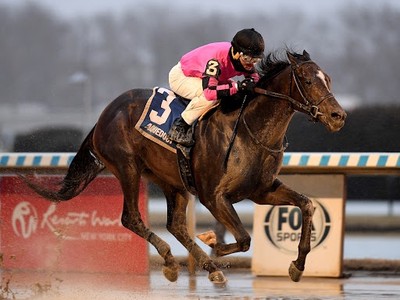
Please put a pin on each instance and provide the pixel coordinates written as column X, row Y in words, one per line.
column 213, row 89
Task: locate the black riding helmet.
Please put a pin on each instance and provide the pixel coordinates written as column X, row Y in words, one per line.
column 249, row 42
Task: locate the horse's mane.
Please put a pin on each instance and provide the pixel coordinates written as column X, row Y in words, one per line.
column 271, row 65
column 275, row 62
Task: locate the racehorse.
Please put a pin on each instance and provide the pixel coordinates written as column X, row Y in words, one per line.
column 289, row 84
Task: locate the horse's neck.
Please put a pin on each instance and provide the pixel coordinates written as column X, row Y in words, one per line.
column 269, row 119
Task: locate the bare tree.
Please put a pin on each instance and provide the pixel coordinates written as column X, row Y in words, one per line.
column 62, row 63
column 32, row 66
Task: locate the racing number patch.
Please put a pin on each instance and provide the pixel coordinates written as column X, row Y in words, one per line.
column 212, row 68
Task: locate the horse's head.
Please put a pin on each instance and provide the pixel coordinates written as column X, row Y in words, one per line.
column 311, row 87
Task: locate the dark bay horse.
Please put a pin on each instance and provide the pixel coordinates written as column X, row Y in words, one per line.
column 286, row 86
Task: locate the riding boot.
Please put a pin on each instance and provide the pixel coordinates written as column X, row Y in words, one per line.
column 181, row 133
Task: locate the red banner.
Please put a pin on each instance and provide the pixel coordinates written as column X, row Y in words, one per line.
column 82, row 234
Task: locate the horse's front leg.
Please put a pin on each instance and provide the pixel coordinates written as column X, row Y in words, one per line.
column 283, row 195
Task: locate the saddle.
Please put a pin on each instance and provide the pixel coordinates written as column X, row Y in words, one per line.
column 161, row 110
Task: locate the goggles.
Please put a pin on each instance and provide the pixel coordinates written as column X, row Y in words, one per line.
column 249, row 59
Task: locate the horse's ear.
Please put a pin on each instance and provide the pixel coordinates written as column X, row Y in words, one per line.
column 306, row 55
column 292, row 59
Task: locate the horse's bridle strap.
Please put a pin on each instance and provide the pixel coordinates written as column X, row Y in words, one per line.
column 300, row 105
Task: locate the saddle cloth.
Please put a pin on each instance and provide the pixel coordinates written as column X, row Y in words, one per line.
column 160, row 112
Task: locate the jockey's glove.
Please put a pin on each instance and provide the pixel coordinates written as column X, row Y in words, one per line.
column 246, row 85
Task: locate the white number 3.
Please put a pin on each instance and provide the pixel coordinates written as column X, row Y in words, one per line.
column 212, row 68
column 165, row 104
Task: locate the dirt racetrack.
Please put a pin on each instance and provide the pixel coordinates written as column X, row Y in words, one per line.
column 363, row 280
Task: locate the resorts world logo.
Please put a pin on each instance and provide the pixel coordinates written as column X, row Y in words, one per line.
column 283, row 226
column 24, row 219
column 27, row 220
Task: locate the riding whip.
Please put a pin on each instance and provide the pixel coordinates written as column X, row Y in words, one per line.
column 234, row 133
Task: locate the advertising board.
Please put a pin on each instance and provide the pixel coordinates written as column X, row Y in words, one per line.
column 82, row 234
column 277, row 229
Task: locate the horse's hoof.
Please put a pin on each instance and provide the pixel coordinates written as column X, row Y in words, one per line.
column 217, row 277
column 294, row 273
column 171, row 273
column 209, row 238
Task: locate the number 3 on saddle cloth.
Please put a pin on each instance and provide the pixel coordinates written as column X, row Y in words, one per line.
column 160, row 112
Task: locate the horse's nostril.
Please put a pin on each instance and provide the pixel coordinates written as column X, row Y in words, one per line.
column 338, row 116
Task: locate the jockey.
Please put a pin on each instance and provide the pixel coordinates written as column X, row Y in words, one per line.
column 205, row 74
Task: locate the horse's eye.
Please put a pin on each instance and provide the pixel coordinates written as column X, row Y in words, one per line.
column 308, row 81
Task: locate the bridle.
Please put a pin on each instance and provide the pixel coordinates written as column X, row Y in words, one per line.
column 306, row 105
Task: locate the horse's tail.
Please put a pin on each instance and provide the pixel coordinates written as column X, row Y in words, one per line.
column 83, row 169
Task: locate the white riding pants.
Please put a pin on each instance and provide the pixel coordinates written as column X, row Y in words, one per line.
column 192, row 89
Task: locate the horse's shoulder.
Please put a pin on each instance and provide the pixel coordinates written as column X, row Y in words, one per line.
column 230, row 103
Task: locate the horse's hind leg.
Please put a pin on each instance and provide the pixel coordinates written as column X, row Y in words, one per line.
column 224, row 212
column 220, row 231
column 176, row 224
column 132, row 220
